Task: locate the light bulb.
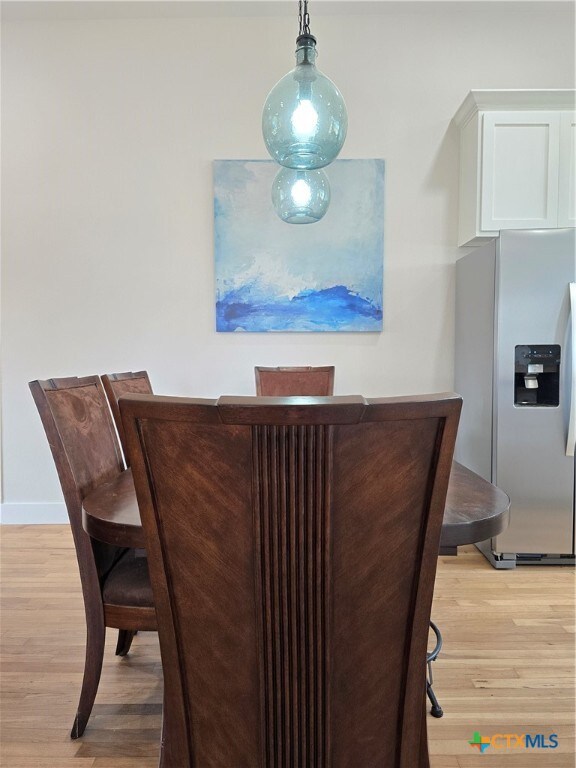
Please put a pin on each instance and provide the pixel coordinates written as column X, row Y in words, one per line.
column 304, row 121
column 300, row 197
column 301, row 193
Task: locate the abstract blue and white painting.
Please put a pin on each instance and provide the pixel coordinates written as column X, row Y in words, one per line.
column 274, row 276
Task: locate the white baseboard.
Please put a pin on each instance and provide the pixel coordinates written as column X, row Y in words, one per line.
column 33, row 513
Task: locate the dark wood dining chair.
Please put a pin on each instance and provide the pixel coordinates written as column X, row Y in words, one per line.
column 118, row 384
column 289, row 381
column 292, row 551
column 115, row 581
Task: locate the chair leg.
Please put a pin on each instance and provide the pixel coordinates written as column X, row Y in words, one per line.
column 436, row 710
column 92, row 668
column 125, row 637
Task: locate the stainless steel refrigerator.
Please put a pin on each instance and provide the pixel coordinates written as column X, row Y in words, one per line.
column 515, row 367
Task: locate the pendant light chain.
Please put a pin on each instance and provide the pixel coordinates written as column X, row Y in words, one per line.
column 303, row 17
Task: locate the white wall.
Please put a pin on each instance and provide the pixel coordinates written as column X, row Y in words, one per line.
column 109, row 127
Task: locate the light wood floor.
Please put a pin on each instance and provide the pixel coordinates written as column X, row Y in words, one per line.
column 506, row 667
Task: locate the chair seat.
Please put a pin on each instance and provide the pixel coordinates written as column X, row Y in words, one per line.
column 128, row 583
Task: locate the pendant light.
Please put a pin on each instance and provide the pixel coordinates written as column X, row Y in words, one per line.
column 300, row 197
column 304, row 121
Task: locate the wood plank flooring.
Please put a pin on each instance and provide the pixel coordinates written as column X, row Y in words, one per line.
column 507, row 665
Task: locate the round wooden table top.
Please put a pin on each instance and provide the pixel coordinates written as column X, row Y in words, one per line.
column 475, row 511
column 111, row 514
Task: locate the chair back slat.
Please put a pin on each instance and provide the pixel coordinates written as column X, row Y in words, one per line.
column 83, row 444
column 85, row 449
column 116, row 385
column 289, row 381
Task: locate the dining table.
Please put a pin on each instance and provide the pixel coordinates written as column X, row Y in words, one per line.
column 475, row 511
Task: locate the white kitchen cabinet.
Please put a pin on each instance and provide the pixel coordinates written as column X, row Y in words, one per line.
column 516, row 162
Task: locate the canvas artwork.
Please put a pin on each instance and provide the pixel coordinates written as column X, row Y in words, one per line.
column 273, row 276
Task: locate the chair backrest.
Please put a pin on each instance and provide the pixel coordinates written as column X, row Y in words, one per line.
column 116, row 385
column 81, row 435
column 285, row 382
column 292, row 550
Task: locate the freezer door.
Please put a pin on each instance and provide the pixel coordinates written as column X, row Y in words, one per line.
column 571, row 439
column 534, row 271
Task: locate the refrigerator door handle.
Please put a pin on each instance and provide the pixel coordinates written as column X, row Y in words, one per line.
column 572, row 421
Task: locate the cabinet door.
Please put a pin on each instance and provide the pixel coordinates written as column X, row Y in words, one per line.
column 520, row 170
column 567, row 181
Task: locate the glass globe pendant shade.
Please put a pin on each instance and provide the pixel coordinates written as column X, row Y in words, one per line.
column 304, row 121
column 300, row 197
